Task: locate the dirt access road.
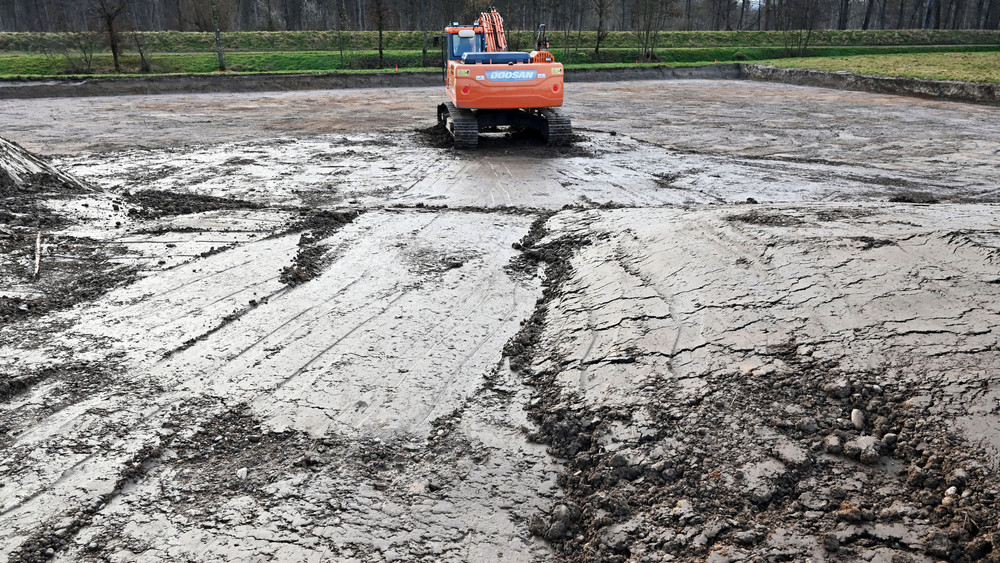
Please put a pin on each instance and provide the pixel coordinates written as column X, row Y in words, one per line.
column 732, row 322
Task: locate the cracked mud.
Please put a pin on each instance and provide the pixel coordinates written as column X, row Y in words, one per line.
column 758, row 325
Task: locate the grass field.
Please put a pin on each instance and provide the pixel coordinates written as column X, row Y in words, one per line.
column 41, row 66
column 968, row 67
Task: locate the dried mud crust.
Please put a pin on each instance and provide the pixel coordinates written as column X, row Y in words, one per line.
column 857, row 463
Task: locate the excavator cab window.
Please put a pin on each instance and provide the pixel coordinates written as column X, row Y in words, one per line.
column 465, row 41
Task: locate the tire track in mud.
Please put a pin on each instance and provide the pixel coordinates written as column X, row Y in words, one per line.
column 69, row 471
column 155, row 417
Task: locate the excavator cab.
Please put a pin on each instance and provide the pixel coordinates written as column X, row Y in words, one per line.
column 462, row 40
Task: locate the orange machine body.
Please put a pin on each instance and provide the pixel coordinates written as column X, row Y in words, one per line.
column 535, row 80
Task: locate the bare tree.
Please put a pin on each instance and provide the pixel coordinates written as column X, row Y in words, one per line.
column 378, row 16
column 109, row 11
column 78, row 42
column 868, row 14
column 650, row 16
column 218, row 37
column 845, row 14
column 601, row 8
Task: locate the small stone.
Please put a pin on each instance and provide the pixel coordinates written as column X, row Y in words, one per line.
column 952, row 491
column 832, row 444
column 618, row 460
column 890, row 439
column 745, row 538
column 958, row 478
column 761, row 495
column 50, row 552
column 858, row 419
column 938, row 545
column 241, row 473
column 838, row 389
column 556, row 530
column 808, row 425
column 831, row 543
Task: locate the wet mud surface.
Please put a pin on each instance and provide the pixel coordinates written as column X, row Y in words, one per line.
column 730, row 322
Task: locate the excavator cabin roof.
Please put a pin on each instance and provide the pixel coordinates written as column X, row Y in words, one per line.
column 455, row 28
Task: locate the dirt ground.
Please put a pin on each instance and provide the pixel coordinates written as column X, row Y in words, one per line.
column 733, row 321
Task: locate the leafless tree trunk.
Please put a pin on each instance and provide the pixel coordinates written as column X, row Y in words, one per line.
column 868, row 14
column 218, row 37
column 378, row 15
column 601, row 7
column 109, row 11
column 930, row 13
column 845, row 14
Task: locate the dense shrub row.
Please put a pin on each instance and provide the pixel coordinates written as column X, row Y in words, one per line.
column 184, row 42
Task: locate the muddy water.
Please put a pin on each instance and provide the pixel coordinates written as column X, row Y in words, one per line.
column 745, row 321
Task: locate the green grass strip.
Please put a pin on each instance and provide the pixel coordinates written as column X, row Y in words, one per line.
column 967, row 67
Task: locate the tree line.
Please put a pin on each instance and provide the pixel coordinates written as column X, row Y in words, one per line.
column 640, row 16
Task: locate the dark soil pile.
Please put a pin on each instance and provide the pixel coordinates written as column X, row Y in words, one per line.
column 153, row 204
column 312, row 257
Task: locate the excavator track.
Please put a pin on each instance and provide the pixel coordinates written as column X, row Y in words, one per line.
column 462, row 124
column 558, row 129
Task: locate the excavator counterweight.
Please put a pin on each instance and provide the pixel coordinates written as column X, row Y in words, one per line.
column 489, row 87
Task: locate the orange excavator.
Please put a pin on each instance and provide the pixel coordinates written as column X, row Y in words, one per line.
column 490, row 87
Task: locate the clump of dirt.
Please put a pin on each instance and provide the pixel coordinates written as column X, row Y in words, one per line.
column 37, row 183
column 436, row 136
column 526, row 263
column 771, row 219
column 868, row 243
column 323, row 223
column 520, row 350
column 312, row 257
column 26, row 212
column 153, row 204
column 308, row 263
column 914, row 197
column 843, row 214
column 667, row 180
column 62, row 283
